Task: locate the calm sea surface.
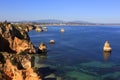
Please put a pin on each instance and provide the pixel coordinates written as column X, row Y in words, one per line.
column 78, row 52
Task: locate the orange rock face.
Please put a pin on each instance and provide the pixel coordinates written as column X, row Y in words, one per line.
column 107, row 46
column 31, row 75
column 23, row 45
column 13, row 73
column 15, row 40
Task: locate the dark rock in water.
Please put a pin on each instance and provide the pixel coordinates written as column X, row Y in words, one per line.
column 15, row 40
column 46, row 71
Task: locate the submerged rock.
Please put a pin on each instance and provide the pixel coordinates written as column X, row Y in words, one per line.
column 107, row 46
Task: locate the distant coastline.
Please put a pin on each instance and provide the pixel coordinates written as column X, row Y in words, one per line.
column 55, row 22
column 64, row 24
column 52, row 22
column 79, row 25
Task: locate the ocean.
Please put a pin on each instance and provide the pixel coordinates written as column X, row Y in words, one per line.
column 78, row 52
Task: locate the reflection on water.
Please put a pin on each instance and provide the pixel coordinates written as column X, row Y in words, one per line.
column 106, row 55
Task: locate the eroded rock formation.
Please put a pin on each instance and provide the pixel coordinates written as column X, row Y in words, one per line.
column 107, row 47
column 11, row 69
column 42, row 49
column 14, row 39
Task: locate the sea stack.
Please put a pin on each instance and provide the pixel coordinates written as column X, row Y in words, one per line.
column 42, row 48
column 62, row 30
column 52, row 42
column 107, row 47
column 38, row 29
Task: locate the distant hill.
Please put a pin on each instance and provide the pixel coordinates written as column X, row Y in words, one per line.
column 48, row 21
column 58, row 22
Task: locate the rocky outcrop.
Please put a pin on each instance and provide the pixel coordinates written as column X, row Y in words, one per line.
column 24, row 26
column 107, row 47
column 42, row 49
column 52, row 42
column 11, row 72
column 14, row 39
column 11, row 69
column 23, row 45
column 38, row 29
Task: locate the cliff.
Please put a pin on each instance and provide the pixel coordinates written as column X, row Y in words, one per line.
column 17, row 67
column 14, row 39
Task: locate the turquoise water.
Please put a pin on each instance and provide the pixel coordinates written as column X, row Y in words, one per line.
column 78, row 52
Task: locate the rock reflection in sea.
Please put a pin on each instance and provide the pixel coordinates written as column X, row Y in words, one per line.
column 106, row 55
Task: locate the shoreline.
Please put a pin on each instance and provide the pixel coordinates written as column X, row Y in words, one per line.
column 84, row 26
column 78, row 25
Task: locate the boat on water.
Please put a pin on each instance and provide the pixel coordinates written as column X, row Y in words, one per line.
column 44, row 28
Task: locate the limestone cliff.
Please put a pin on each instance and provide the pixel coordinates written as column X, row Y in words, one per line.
column 17, row 67
column 14, row 39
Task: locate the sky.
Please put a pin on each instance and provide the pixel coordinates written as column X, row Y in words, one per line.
column 99, row 11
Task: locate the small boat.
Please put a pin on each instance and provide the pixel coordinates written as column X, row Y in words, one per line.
column 44, row 28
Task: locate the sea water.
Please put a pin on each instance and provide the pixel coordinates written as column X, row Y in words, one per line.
column 78, row 52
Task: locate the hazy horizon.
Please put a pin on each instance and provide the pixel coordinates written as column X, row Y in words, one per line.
column 96, row 11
